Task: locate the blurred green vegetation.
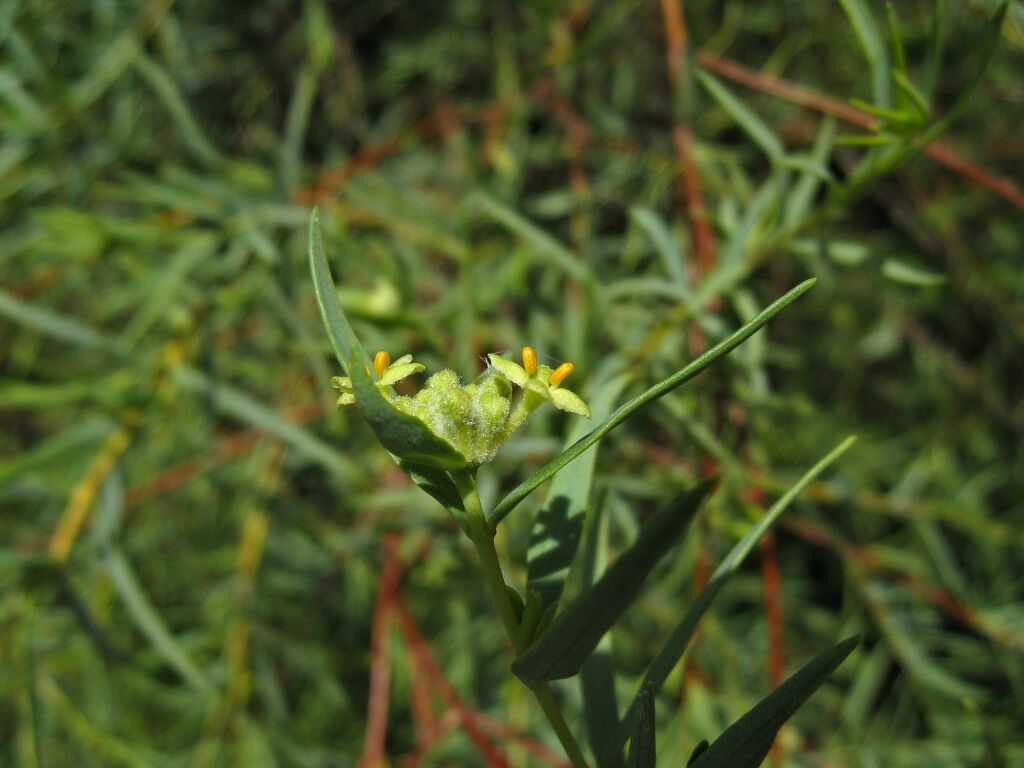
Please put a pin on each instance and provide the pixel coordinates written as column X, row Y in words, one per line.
column 192, row 538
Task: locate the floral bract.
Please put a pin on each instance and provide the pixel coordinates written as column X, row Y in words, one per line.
column 476, row 418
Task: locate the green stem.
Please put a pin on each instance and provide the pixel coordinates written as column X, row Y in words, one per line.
column 483, row 539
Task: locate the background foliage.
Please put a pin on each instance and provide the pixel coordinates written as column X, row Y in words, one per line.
column 195, row 546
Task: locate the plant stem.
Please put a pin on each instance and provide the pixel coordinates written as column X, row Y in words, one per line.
column 483, row 539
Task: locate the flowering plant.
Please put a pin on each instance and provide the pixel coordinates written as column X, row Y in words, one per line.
column 445, row 432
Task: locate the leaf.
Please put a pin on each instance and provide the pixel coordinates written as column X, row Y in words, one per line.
column 597, row 676
column 561, row 651
column 150, row 624
column 901, row 272
column 752, row 125
column 542, row 243
column 873, row 46
column 246, row 408
column 664, row 243
column 404, row 435
column 724, row 347
column 642, row 746
column 801, row 197
column 71, row 330
column 342, row 337
column 745, row 743
column 557, row 528
column 678, row 641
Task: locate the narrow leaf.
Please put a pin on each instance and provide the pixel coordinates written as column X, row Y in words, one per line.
column 561, row 651
column 678, row 641
column 660, row 389
column 597, row 676
column 642, row 745
column 901, row 272
column 873, row 45
column 558, row 526
column 230, row 400
column 745, row 743
column 150, row 624
column 752, row 125
column 343, row 338
column 405, row 436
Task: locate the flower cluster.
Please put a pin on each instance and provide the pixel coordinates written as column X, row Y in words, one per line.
column 475, row 418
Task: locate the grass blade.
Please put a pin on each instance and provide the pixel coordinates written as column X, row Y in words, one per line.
column 724, row 347
column 745, row 743
column 569, row 641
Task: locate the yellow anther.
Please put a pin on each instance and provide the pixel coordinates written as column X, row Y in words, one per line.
column 381, row 361
column 530, row 360
column 560, row 374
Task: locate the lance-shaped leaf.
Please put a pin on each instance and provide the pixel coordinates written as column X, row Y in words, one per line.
column 642, row 746
column 745, row 743
column 572, row 637
column 343, row 339
column 626, row 410
column 404, row 435
column 677, row 642
column 557, row 529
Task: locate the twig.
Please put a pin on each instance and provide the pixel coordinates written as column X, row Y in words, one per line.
column 380, row 662
column 691, row 198
column 940, row 151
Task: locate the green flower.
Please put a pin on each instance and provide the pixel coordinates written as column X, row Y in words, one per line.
column 470, row 417
column 539, row 384
column 389, row 373
column 475, row 419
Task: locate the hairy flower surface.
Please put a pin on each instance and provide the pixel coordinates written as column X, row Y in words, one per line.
column 475, row 419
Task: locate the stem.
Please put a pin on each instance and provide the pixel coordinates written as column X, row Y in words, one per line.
column 483, row 539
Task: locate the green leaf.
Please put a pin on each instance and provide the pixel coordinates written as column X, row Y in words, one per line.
column 642, row 746
column 543, row 244
column 557, row 528
column 665, row 244
column 146, row 618
column 752, row 125
column 724, row 347
column 230, row 400
column 405, row 436
column 901, row 272
column 745, row 743
column 561, row 651
column 343, row 338
column 678, row 641
column 597, row 676
column 873, row 45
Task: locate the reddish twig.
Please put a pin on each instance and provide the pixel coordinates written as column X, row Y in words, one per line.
column 940, row 151
column 691, row 198
column 427, row 664
column 380, row 661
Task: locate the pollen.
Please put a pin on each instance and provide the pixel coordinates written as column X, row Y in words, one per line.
column 560, row 374
column 530, row 360
column 381, row 361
